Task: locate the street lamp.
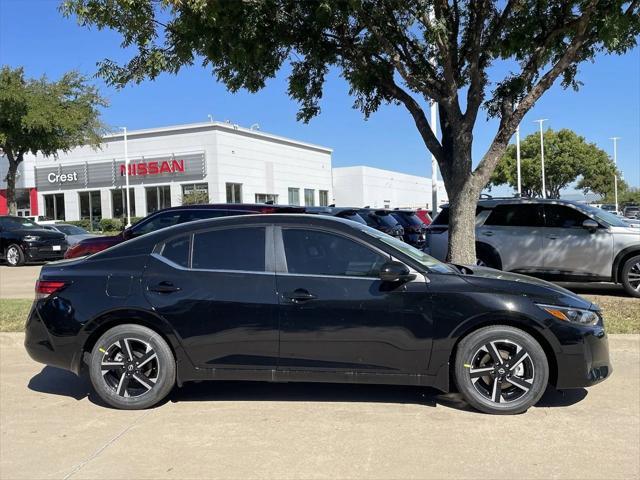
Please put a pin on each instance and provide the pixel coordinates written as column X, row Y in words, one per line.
column 544, row 185
column 518, row 161
column 615, row 174
column 126, row 174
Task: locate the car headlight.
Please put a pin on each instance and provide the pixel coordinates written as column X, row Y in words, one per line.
column 573, row 315
column 31, row 238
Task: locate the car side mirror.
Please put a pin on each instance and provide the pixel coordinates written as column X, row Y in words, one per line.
column 396, row 272
column 590, row 225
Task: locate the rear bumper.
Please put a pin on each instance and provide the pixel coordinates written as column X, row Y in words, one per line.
column 584, row 361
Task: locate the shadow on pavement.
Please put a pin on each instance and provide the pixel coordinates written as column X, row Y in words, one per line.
column 55, row 381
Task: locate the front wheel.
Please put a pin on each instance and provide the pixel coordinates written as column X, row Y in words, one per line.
column 501, row 370
column 631, row 276
column 14, row 256
column 132, row 367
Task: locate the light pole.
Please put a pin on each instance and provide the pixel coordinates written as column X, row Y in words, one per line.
column 615, row 174
column 434, row 163
column 544, row 185
column 518, row 161
column 126, row 174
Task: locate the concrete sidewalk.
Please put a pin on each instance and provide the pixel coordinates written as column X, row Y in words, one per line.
column 51, row 427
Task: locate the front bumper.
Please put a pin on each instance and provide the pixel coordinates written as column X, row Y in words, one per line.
column 584, row 359
column 38, row 251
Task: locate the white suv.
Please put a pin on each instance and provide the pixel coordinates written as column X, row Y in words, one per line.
column 555, row 239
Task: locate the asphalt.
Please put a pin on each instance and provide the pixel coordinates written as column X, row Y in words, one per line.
column 52, row 426
column 18, row 282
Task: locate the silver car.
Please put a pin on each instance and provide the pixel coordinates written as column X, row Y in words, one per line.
column 73, row 233
column 555, row 239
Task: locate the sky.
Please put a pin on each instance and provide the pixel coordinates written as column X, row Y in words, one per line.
column 33, row 34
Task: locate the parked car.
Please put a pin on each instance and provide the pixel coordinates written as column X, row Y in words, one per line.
column 425, row 216
column 383, row 221
column 414, row 228
column 342, row 212
column 610, row 207
column 307, row 298
column 22, row 240
column 172, row 216
column 631, row 211
column 73, row 234
column 554, row 239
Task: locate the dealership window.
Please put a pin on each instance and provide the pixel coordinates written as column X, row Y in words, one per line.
column 234, row 193
column 54, row 206
column 90, row 206
column 294, row 196
column 266, row 198
column 324, row 197
column 158, row 198
column 119, row 202
column 195, row 193
column 241, row 249
column 309, row 197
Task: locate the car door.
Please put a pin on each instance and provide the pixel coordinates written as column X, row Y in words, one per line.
column 571, row 249
column 515, row 232
column 337, row 315
column 217, row 289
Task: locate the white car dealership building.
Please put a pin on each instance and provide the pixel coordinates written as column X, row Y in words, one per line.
column 227, row 163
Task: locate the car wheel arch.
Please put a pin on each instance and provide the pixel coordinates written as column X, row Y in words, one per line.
column 106, row 321
column 507, row 319
column 620, row 260
column 491, row 250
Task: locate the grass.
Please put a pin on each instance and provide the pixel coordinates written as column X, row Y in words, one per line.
column 621, row 314
column 13, row 314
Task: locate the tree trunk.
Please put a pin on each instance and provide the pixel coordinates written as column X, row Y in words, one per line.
column 462, row 225
column 11, row 182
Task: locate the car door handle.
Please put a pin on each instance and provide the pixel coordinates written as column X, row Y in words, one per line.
column 298, row 296
column 487, row 234
column 164, row 287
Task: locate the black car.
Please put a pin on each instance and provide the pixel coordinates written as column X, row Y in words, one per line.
column 22, row 240
column 382, row 220
column 341, row 212
column 414, row 228
column 307, row 298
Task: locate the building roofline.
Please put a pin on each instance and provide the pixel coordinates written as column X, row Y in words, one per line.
column 213, row 126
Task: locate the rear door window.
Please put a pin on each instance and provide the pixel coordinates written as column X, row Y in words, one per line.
column 241, row 249
column 516, row 215
column 177, row 250
column 158, row 222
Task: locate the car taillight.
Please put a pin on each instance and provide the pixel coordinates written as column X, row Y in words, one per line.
column 44, row 288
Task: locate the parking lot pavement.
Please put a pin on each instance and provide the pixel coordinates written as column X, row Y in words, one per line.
column 51, row 427
column 18, row 282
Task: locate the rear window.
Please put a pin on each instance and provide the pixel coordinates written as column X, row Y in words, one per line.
column 177, row 250
column 385, row 220
column 230, row 249
column 408, row 219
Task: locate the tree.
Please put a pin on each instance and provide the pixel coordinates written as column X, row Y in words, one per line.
column 406, row 52
column 41, row 116
column 568, row 158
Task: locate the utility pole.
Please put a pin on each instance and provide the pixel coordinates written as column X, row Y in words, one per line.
column 615, row 175
column 126, row 175
column 544, row 185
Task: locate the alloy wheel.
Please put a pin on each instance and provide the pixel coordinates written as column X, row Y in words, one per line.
column 130, row 367
column 13, row 256
column 633, row 277
column 501, row 371
column 480, row 263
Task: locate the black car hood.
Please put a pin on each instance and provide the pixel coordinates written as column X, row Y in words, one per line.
column 38, row 232
column 539, row 290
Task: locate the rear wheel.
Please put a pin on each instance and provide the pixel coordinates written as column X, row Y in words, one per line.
column 132, row 367
column 501, row 370
column 631, row 276
column 14, row 256
column 487, row 257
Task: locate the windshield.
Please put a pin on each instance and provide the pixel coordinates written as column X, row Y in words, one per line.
column 71, row 230
column 15, row 223
column 419, row 256
column 605, row 217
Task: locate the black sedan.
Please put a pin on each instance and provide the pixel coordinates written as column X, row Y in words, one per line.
column 307, row 298
column 22, row 240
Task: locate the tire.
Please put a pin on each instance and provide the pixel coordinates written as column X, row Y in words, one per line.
column 14, row 256
column 630, row 276
column 126, row 384
column 494, row 392
column 487, row 257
